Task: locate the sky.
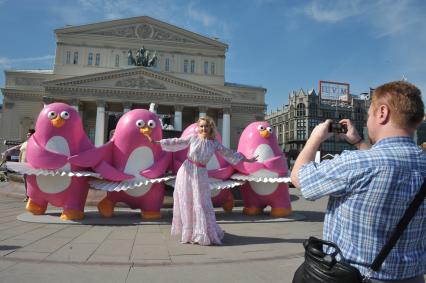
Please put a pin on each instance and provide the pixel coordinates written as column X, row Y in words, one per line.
column 281, row 45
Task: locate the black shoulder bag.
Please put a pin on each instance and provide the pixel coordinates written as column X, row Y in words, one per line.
column 320, row 267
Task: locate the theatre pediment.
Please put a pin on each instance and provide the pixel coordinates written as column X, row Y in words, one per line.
column 142, row 28
column 132, row 80
column 140, row 82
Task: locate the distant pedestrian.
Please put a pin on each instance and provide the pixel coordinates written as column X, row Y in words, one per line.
column 22, row 158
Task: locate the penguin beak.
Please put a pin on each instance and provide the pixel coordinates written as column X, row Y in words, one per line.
column 264, row 134
column 58, row 122
column 146, row 131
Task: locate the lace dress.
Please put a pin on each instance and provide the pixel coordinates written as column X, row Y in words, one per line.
column 193, row 213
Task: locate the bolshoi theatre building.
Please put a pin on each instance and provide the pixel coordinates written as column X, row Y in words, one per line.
column 93, row 73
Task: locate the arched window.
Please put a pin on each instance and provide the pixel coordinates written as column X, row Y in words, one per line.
column 167, row 65
column 68, row 61
column 206, row 68
column 117, row 60
column 75, row 61
column 185, row 66
column 300, row 110
column 97, row 59
column 90, row 59
column 192, row 66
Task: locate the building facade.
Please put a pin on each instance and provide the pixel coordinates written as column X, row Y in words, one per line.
column 421, row 134
column 92, row 73
column 295, row 121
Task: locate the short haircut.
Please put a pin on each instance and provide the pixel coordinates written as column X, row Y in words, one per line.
column 404, row 101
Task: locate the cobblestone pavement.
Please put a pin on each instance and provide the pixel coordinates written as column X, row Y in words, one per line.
column 253, row 251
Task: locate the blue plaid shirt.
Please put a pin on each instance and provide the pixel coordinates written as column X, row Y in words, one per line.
column 369, row 191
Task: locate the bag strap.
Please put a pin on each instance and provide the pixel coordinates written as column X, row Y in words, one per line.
column 399, row 229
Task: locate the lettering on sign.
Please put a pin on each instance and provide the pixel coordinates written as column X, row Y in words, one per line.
column 334, row 91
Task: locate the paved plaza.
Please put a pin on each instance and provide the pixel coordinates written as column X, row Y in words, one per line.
column 257, row 249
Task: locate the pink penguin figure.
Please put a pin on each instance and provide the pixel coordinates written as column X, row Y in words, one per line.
column 130, row 156
column 218, row 170
column 59, row 134
column 259, row 139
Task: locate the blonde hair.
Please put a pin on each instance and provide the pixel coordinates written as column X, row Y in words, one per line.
column 209, row 121
column 404, row 101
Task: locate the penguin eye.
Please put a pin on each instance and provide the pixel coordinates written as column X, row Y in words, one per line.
column 140, row 123
column 269, row 129
column 65, row 115
column 151, row 124
column 51, row 115
column 260, row 128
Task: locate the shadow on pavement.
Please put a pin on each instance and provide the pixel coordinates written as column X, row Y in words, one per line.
column 238, row 240
column 294, row 198
column 7, row 248
column 127, row 216
column 312, row 216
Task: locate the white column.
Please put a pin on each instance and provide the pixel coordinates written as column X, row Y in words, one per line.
column 74, row 104
column 202, row 111
column 153, row 107
column 226, row 128
column 100, row 123
column 126, row 107
column 178, row 118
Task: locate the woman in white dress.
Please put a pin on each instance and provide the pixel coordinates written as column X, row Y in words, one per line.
column 193, row 213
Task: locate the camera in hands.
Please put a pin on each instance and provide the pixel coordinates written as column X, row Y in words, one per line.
column 337, row 128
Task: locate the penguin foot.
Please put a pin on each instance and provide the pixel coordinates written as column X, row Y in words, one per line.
column 228, row 205
column 151, row 215
column 277, row 212
column 35, row 208
column 106, row 208
column 251, row 211
column 72, row 215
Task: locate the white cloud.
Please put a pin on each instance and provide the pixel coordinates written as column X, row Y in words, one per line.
column 384, row 17
column 204, row 18
column 91, row 11
column 390, row 18
column 31, row 59
column 210, row 23
column 332, row 11
column 187, row 15
column 6, row 63
column 118, row 9
column 265, row 2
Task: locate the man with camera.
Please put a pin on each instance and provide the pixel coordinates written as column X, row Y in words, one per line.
column 370, row 188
